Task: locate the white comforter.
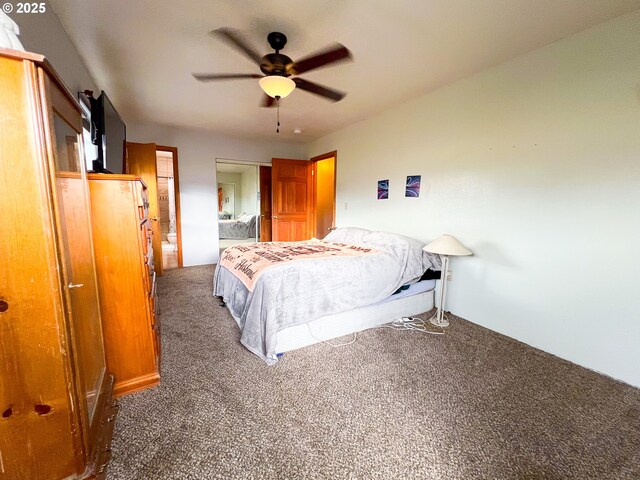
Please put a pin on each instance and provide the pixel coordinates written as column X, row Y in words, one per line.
column 297, row 292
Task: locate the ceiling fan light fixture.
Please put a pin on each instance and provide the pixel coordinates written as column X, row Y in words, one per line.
column 277, row 86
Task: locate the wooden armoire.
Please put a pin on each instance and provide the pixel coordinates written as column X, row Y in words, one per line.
column 56, row 407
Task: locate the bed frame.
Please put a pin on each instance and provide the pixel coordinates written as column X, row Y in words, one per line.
column 356, row 320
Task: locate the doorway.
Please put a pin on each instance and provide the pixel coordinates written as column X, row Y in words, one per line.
column 324, row 193
column 169, row 206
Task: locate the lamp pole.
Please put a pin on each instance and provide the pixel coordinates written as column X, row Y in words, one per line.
column 440, row 319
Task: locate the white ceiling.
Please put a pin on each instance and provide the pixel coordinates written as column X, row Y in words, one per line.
column 143, row 55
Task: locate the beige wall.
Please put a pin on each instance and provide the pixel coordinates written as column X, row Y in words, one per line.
column 535, row 166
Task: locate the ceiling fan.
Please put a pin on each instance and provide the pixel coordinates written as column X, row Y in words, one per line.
column 277, row 67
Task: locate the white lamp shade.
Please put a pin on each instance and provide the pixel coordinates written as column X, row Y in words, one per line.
column 447, row 245
column 277, row 86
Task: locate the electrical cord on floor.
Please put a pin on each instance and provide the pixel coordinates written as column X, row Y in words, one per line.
column 335, row 345
column 415, row 324
column 404, row 323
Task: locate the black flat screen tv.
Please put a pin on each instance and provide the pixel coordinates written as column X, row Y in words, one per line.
column 109, row 135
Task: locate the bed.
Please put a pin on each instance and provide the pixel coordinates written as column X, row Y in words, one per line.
column 320, row 289
column 238, row 229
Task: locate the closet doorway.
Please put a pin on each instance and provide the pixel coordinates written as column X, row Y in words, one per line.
column 169, row 206
column 239, row 190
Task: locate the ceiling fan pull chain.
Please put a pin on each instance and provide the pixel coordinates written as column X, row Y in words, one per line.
column 278, row 113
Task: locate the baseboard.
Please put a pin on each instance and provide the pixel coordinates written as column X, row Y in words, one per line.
column 136, row 384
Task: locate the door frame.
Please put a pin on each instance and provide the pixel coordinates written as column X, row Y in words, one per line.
column 266, row 222
column 314, row 160
column 176, row 191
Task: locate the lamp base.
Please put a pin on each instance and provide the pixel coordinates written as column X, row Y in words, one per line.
column 439, row 319
column 439, row 323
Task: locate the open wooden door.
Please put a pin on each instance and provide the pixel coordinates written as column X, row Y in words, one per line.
column 141, row 161
column 292, row 190
column 265, row 204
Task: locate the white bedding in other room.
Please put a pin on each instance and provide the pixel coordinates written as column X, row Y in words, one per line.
column 238, row 229
column 297, row 292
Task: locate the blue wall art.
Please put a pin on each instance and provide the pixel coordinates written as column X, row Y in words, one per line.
column 413, row 186
column 383, row 189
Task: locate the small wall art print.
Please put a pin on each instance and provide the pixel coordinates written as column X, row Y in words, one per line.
column 413, row 186
column 383, row 189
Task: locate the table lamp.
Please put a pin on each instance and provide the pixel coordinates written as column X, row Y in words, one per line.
column 445, row 245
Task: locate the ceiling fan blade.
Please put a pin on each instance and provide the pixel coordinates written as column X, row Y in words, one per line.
column 206, row 77
column 267, row 101
column 319, row 59
column 234, row 39
column 325, row 92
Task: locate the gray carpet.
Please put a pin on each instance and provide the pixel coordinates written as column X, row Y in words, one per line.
column 394, row 405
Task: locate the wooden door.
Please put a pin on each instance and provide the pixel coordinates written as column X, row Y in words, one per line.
column 141, row 161
column 292, row 190
column 265, row 204
column 63, row 134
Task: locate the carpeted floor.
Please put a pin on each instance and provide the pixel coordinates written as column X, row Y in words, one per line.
column 394, row 405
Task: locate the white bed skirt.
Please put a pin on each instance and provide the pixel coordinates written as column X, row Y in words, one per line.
column 356, row 320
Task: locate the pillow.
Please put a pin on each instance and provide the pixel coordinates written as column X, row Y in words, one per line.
column 347, row 235
column 246, row 218
column 408, row 251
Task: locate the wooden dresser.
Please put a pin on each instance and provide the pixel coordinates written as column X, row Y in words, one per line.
column 56, row 407
column 126, row 280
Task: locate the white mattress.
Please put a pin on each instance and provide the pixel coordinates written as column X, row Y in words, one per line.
column 418, row 298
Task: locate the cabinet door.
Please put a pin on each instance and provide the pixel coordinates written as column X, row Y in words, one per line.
column 75, row 244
